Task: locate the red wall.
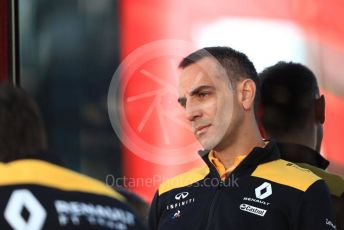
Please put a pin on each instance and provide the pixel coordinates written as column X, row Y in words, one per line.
column 146, row 21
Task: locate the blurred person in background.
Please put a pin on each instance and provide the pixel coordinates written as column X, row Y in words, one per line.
column 140, row 207
column 292, row 111
column 244, row 183
column 37, row 193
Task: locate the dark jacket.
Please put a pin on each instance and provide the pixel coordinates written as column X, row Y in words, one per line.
column 263, row 192
column 36, row 194
column 312, row 160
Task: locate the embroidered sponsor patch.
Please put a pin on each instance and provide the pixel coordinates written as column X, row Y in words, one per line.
column 252, row 209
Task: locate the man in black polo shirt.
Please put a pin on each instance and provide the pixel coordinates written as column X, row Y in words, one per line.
column 245, row 184
column 293, row 113
column 37, row 193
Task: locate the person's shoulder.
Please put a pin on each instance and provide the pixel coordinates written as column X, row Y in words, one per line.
column 41, row 173
column 184, row 179
column 333, row 181
column 286, row 173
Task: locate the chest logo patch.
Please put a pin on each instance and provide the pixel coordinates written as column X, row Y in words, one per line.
column 181, row 195
column 263, row 191
column 252, row 209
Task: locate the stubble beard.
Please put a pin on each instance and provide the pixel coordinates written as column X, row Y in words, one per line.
column 230, row 136
column 214, row 141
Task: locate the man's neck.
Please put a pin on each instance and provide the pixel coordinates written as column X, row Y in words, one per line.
column 302, row 139
column 310, row 136
column 242, row 144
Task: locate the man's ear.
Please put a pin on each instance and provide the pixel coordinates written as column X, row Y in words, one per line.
column 247, row 92
column 320, row 109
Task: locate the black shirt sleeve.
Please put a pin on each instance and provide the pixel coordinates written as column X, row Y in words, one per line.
column 153, row 213
column 316, row 211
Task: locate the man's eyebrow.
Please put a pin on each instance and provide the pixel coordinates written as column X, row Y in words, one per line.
column 200, row 88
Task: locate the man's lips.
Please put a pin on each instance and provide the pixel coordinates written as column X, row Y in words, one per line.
column 201, row 129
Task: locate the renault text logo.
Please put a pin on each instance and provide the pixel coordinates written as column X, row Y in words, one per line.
column 266, row 187
column 181, row 195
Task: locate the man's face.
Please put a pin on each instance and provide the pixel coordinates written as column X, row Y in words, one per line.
column 205, row 93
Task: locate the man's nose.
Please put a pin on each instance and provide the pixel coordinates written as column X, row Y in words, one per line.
column 193, row 111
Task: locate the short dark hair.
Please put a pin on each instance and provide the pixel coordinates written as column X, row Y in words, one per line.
column 288, row 93
column 237, row 64
column 21, row 126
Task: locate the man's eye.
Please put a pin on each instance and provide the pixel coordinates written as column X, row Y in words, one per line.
column 203, row 94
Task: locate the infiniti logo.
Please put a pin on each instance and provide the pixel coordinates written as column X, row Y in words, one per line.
column 181, row 201
column 181, row 195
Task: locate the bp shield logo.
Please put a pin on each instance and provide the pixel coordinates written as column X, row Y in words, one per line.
column 263, row 191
